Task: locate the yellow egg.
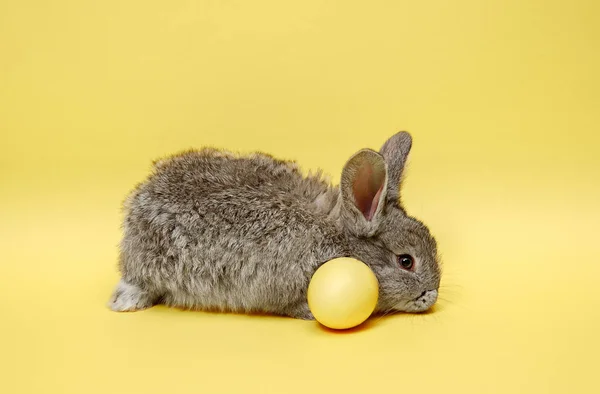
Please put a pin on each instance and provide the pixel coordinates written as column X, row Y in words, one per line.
column 343, row 293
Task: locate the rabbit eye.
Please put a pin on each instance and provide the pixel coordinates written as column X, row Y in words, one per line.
column 406, row 261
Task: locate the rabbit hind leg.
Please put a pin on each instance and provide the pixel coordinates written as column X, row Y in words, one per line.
column 128, row 297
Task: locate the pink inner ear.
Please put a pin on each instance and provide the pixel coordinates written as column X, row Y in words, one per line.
column 367, row 189
column 375, row 204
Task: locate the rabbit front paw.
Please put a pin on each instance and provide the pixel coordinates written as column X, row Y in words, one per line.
column 302, row 312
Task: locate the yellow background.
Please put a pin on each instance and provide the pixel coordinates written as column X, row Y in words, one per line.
column 502, row 99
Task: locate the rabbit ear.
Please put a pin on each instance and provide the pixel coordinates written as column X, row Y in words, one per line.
column 363, row 188
column 395, row 152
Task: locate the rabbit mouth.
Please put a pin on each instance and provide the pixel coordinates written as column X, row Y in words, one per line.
column 421, row 303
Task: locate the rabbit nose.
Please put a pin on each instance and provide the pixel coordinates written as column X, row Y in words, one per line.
column 429, row 294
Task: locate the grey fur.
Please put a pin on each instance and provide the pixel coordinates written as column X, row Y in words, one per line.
column 213, row 231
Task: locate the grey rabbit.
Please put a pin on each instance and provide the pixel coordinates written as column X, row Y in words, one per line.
column 214, row 231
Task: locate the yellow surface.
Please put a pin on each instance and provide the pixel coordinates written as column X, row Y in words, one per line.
column 502, row 98
column 342, row 293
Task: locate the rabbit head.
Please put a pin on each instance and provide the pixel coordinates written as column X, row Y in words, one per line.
column 398, row 248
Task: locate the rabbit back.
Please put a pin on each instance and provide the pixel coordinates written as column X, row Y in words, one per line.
column 210, row 230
